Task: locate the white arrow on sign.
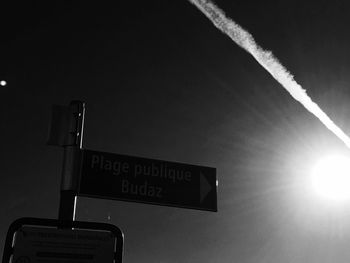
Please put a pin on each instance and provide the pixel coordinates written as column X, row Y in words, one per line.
column 205, row 187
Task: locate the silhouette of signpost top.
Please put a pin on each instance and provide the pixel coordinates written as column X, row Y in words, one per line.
column 122, row 177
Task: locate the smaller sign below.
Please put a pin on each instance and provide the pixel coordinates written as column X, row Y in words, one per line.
column 34, row 244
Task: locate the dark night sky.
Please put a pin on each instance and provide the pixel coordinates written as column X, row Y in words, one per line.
column 160, row 81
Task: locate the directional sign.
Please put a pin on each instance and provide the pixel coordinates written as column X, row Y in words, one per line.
column 121, row 177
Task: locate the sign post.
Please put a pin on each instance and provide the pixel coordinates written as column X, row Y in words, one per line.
column 122, row 177
column 66, row 130
column 102, row 175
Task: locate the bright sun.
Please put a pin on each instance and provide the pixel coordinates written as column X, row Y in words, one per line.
column 331, row 178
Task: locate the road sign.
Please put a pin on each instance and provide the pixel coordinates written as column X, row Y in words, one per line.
column 122, row 177
column 38, row 244
column 34, row 240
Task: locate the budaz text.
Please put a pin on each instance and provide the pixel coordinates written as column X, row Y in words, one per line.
column 144, row 189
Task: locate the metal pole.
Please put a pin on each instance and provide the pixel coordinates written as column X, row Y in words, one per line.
column 71, row 162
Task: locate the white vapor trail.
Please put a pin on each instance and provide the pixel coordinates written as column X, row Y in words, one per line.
column 266, row 59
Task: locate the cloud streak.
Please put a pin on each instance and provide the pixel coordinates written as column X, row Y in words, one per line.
column 267, row 60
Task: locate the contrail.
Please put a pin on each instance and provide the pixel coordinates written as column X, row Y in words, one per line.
column 266, row 59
